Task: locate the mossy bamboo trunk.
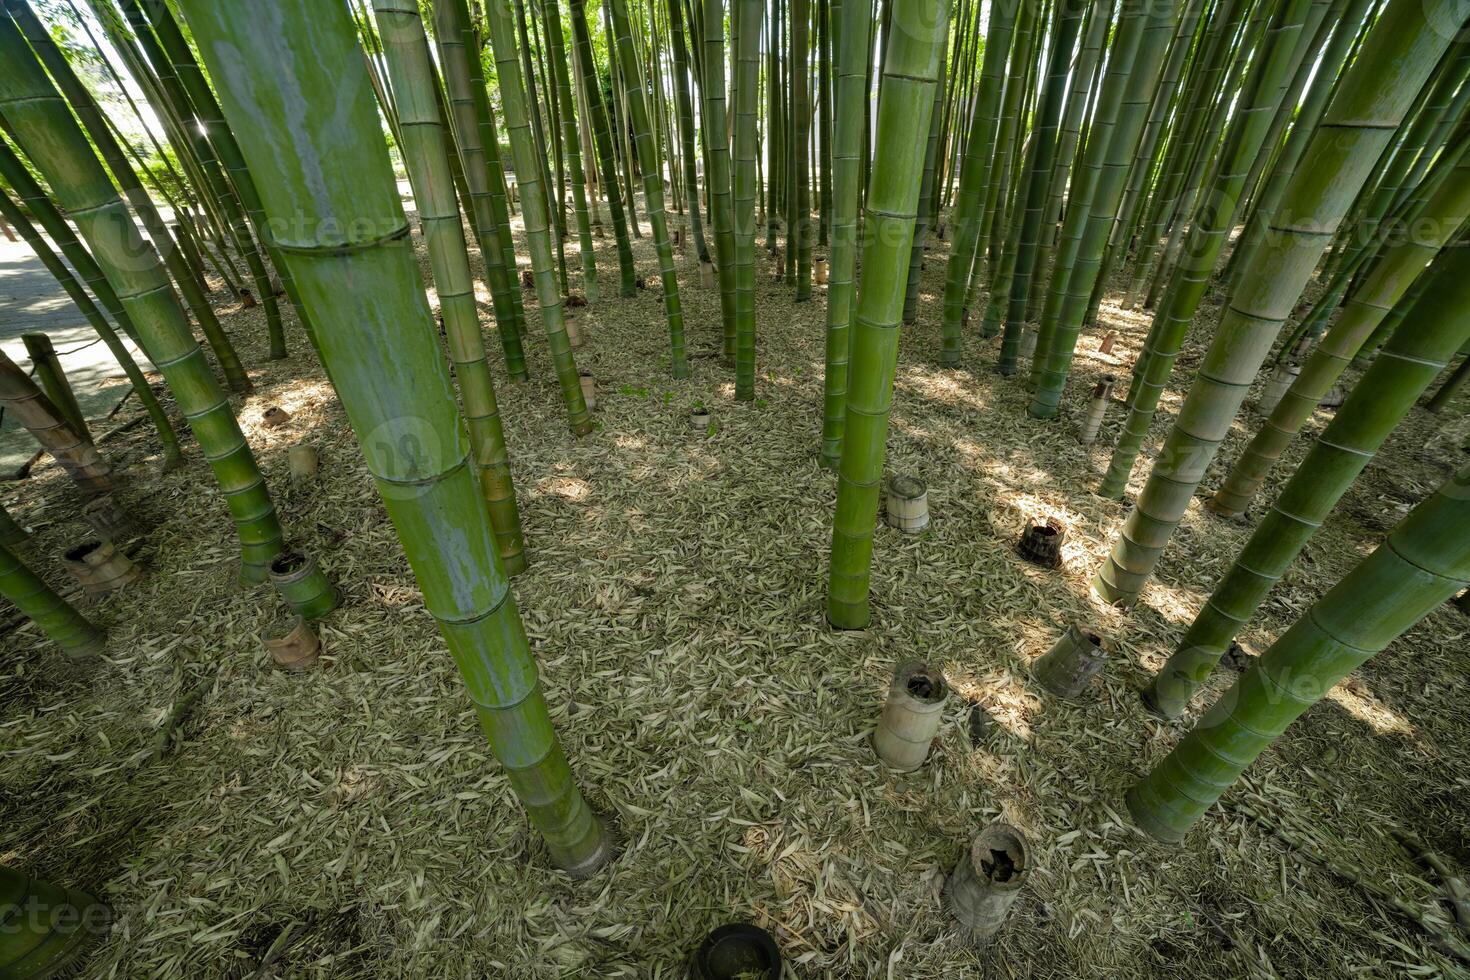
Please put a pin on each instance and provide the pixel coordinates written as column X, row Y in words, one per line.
column 533, row 209
column 469, row 111
column 271, row 60
column 854, row 38
column 59, row 149
column 749, row 14
column 406, row 49
column 1399, row 54
column 1371, row 302
column 653, row 190
column 916, row 43
column 75, row 96
column 1424, row 562
column 1435, row 329
column 28, row 405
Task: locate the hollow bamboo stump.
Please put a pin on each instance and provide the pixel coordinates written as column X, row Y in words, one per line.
column 707, row 275
column 1281, row 379
column 292, row 643
column 820, row 269
column 699, row 420
column 1109, row 339
column 911, row 716
column 303, row 584
column 988, row 879
column 574, row 332
column 906, row 504
column 100, row 568
column 1041, row 542
column 1069, row 666
column 589, row 390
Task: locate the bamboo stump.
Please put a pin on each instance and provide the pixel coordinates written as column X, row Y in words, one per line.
column 906, row 504
column 304, row 586
column 589, row 389
column 1069, row 666
column 107, row 519
column 292, row 643
column 699, row 421
column 303, row 461
column 1041, row 542
column 911, row 716
column 1096, row 409
column 987, row 880
column 100, row 568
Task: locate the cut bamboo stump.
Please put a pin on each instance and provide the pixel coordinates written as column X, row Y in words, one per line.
column 707, row 275
column 1041, row 542
column 911, row 716
column 699, row 421
column 107, row 520
column 247, row 299
column 589, row 390
column 820, row 269
column 304, row 586
column 906, row 504
column 275, row 416
column 1028, row 344
column 1069, row 666
column 1276, row 386
column 100, row 568
column 303, row 461
column 574, row 332
column 1334, row 398
column 1096, row 409
column 1109, row 339
column 737, row 950
column 988, row 879
column 292, row 643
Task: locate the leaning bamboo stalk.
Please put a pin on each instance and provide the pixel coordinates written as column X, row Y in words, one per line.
column 379, row 342
column 51, row 376
column 1387, row 282
column 910, row 72
column 1399, row 54
column 80, row 101
column 59, row 149
column 1386, row 393
column 29, row 406
column 411, row 73
column 1424, row 561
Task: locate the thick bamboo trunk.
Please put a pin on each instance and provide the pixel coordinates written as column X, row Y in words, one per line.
column 381, row 346
column 29, row 406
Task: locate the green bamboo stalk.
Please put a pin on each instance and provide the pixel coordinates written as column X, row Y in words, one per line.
column 28, row 405
column 1015, row 291
column 533, row 208
column 1412, row 360
column 967, row 218
column 172, row 455
column 12, row 535
column 55, row 617
column 1207, row 238
column 801, row 114
column 1424, row 562
column 1396, row 59
column 602, row 136
column 850, row 101
column 228, row 192
column 685, row 107
column 1268, row 200
column 1371, row 302
column 469, row 110
column 1450, row 388
column 571, row 150
column 926, row 205
column 749, row 14
column 1061, row 322
column 81, row 102
column 550, row 184
column 653, row 191
column 406, row 49
column 916, row 43
column 271, row 60
column 59, row 150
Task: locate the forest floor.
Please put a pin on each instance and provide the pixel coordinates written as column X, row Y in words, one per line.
column 350, row 822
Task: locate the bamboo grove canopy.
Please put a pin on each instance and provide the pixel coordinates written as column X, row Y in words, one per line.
column 1298, row 165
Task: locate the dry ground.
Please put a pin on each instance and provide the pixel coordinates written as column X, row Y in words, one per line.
column 349, row 822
